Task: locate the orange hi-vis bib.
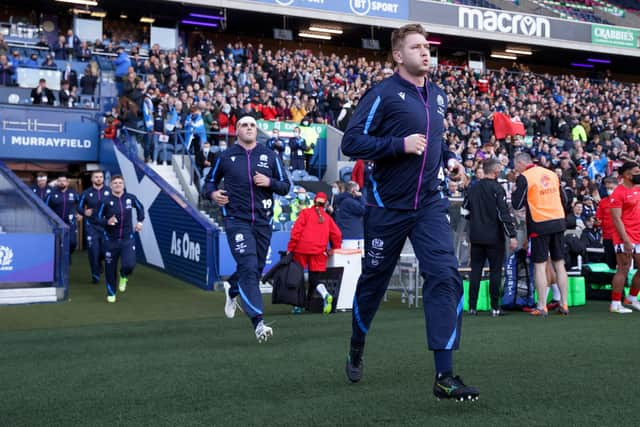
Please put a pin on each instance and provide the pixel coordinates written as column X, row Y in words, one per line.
column 543, row 195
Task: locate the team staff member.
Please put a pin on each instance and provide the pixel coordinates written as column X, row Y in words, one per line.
column 490, row 221
column 252, row 173
column 399, row 125
column 311, row 234
column 93, row 230
column 539, row 190
column 116, row 215
column 605, row 222
column 62, row 200
column 40, row 188
column 625, row 212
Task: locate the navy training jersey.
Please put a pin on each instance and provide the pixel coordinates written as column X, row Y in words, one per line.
column 91, row 198
column 122, row 208
column 390, row 111
column 64, row 203
column 246, row 200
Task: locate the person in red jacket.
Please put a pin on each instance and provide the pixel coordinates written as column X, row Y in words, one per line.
column 311, row 234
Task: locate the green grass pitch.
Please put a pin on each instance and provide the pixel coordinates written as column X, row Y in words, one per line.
column 165, row 355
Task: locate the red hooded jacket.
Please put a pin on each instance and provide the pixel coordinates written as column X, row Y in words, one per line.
column 311, row 237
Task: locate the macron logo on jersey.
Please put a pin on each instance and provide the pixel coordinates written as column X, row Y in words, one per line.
column 401, row 95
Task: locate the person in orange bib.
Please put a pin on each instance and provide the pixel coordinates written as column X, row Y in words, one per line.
column 539, row 190
column 625, row 212
column 310, row 236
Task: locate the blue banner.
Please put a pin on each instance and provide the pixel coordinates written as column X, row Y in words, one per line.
column 175, row 237
column 26, row 258
column 279, row 242
column 394, row 9
column 47, row 133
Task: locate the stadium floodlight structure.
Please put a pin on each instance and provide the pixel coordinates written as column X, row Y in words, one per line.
column 82, row 2
column 200, row 23
column 518, row 50
column 503, row 55
column 313, row 35
column 321, row 28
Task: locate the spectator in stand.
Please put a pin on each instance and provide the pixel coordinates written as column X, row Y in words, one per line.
column 83, row 52
column 70, row 75
column 72, row 43
column 122, row 64
column 60, row 49
column 43, row 42
column 205, row 158
column 298, row 146
column 349, row 208
column 88, row 81
column 312, row 232
column 41, row 94
column 6, row 71
column 269, row 112
column 297, row 111
column 337, row 188
column 592, row 239
column 32, row 62
column 276, row 143
column 49, row 63
column 4, row 47
column 67, row 95
column 16, row 59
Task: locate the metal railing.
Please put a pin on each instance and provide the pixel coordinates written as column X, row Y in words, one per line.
column 176, row 144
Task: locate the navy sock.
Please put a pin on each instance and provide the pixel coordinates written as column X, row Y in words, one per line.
column 444, row 362
column 256, row 320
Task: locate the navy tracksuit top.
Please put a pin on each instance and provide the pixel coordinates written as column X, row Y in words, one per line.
column 390, row 111
column 122, row 207
column 63, row 203
column 91, row 198
column 43, row 193
column 247, row 201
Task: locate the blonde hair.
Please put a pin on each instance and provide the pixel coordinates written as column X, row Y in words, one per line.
column 399, row 34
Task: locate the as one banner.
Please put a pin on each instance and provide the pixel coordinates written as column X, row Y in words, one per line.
column 279, row 242
column 47, row 133
column 26, row 258
column 614, row 36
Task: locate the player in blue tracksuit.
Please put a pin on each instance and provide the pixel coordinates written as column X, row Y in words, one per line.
column 399, row 125
column 40, row 188
column 252, row 173
column 63, row 201
column 116, row 215
column 88, row 206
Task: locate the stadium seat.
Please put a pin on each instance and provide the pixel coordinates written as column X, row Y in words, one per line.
column 298, row 175
column 345, row 173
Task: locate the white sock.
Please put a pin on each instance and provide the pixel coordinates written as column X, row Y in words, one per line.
column 322, row 290
column 631, row 298
column 556, row 292
column 615, row 304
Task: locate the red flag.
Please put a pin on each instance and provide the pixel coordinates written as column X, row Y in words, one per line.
column 504, row 126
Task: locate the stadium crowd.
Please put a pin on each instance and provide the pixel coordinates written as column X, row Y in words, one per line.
column 581, row 128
